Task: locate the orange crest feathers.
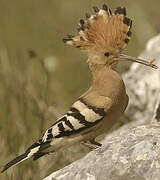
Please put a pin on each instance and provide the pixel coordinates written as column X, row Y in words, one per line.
column 103, row 30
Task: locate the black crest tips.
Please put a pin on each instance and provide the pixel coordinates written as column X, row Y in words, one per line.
column 95, row 8
column 82, row 21
column 129, row 33
column 65, row 40
column 120, row 10
column 124, row 11
column 70, row 36
column 105, row 7
column 87, row 15
column 126, row 41
column 110, row 12
column 127, row 21
column 130, row 23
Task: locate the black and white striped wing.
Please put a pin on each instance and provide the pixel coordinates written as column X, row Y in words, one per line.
column 80, row 117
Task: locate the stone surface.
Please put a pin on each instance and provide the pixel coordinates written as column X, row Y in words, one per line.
column 143, row 85
column 133, row 151
column 132, row 154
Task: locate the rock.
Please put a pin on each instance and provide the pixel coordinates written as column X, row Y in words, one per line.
column 132, row 154
column 143, row 85
column 133, row 151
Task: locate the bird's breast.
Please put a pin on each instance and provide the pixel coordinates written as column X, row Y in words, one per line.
column 109, row 83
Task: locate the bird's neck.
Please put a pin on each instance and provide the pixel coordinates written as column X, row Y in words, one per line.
column 99, row 68
column 106, row 81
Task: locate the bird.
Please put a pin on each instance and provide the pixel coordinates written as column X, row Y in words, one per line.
column 102, row 37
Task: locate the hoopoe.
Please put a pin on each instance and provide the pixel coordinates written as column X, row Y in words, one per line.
column 102, row 36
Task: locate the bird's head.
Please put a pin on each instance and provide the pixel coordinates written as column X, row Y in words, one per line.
column 103, row 36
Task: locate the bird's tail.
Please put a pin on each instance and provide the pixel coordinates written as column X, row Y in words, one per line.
column 16, row 161
column 35, row 151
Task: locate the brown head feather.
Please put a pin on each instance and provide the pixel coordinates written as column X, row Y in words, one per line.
column 103, row 31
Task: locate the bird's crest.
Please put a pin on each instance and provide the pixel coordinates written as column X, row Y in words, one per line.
column 102, row 30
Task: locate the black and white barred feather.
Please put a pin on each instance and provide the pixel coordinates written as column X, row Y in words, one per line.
column 81, row 116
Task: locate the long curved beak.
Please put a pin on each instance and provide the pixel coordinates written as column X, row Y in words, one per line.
column 124, row 57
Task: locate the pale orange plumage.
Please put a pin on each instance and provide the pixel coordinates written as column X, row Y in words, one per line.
column 103, row 31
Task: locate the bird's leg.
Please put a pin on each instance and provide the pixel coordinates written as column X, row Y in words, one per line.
column 95, row 143
column 92, row 144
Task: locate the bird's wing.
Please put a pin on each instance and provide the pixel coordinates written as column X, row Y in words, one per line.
column 80, row 117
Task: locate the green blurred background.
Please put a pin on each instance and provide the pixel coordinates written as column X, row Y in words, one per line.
column 40, row 77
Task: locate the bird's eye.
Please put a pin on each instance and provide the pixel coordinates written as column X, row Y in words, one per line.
column 106, row 54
